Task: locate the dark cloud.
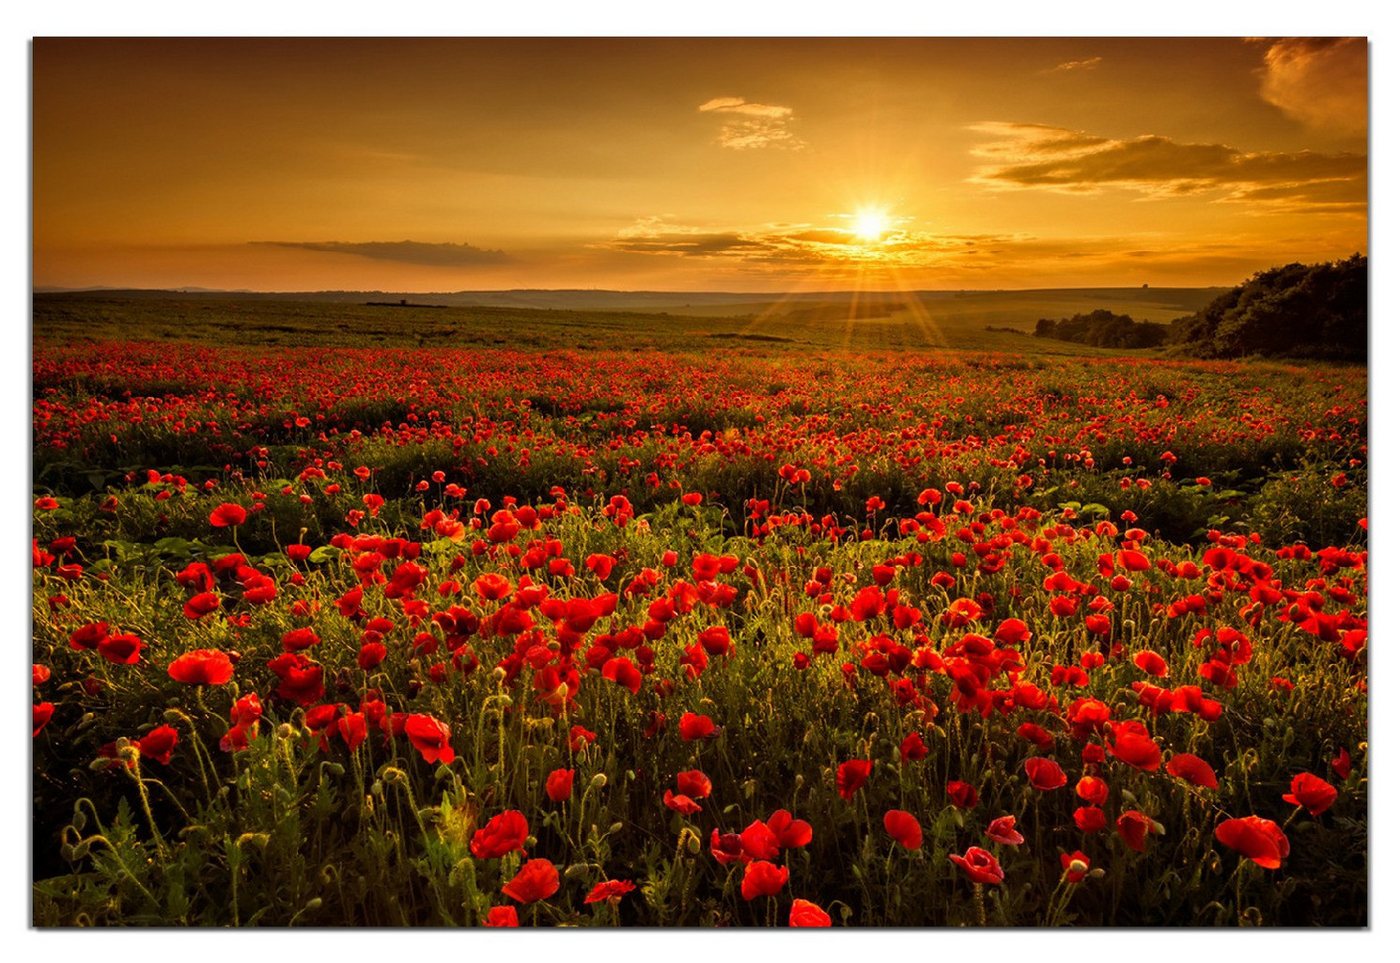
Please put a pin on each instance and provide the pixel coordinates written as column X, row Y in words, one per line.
column 404, row 252
column 1035, row 156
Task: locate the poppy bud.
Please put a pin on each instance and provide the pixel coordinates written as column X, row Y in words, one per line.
column 598, row 781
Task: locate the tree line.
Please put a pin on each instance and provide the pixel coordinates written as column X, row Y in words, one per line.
column 1293, row 311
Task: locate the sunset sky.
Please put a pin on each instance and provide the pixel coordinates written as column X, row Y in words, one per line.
column 728, row 165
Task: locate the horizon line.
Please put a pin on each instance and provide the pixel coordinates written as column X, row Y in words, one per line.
column 196, row 289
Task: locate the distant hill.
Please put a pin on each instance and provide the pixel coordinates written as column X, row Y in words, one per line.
column 990, row 305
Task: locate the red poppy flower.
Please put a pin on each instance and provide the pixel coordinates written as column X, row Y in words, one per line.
column 762, row 878
column 850, row 776
column 904, row 828
column 1035, row 735
column 624, row 672
column 716, row 640
column 88, row 636
column 680, row 803
column 159, row 744
column 1313, row 794
column 694, row 727
column 537, row 880
column 609, row 889
column 913, row 748
column 247, row 710
column 228, row 514
column 979, row 866
column 202, row 667
column 1151, row 663
column 502, row 834
column 962, row 794
column 1255, row 837
column 353, row 728
column 430, row 737
column 1134, row 826
column 1133, row 744
column 726, row 848
column 238, row 738
column 201, row 605
column 804, row 913
column 1090, row 819
column 301, row 679
column 371, row 654
column 1193, row 769
column 1003, row 830
column 298, row 639
column 1092, row 789
column 43, row 712
column 503, row 916
column 693, row 783
column 580, row 737
column 1045, row 774
column 1341, row 764
column 1075, row 865
column 559, row 785
column 759, row 841
column 1012, row 632
column 791, row 833
column 121, row 649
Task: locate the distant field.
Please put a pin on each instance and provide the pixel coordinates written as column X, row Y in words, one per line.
column 872, row 322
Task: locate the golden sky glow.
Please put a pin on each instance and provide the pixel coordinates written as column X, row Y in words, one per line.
column 762, row 165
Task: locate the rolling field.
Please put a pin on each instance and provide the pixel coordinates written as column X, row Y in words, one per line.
column 537, row 320
column 354, row 615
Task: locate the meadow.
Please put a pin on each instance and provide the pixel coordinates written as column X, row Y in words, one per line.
column 353, row 615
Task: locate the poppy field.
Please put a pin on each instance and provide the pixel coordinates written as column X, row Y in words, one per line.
column 740, row 636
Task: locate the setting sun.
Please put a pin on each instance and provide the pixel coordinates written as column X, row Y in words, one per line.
column 870, row 224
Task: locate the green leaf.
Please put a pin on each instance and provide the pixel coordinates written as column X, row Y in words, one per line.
column 323, row 554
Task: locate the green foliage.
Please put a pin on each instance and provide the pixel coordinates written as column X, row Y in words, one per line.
column 1294, row 311
column 1103, row 329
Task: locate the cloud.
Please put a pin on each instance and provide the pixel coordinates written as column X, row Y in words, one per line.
column 1034, row 156
column 779, row 253
column 1320, row 81
column 1088, row 64
column 796, row 244
column 404, row 252
column 756, row 125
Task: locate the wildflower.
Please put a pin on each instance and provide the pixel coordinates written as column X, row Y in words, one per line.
column 979, row 866
column 537, row 880
column 505, row 833
column 904, row 828
column 202, row 667
column 1261, row 840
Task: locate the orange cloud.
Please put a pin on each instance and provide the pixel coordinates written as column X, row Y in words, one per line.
column 1318, row 80
column 1030, row 156
column 1088, row 64
column 761, row 125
